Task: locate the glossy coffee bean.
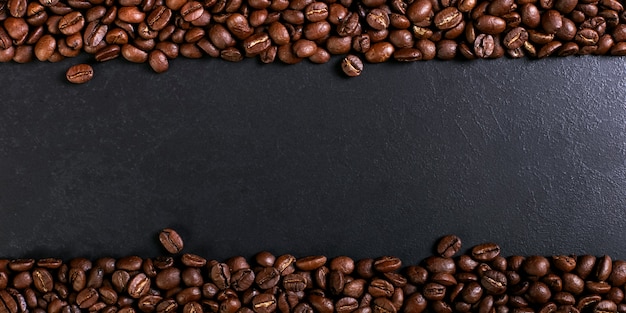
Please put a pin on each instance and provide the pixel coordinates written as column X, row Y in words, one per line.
column 171, row 241
column 79, row 74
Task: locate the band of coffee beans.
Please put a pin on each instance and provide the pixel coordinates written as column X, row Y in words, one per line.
column 482, row 281
column 155, row 31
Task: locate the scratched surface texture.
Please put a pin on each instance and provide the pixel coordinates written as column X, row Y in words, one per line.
column 246, row 157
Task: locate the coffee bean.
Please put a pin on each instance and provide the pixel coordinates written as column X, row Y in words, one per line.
column 448, row 18
column 264, row 303
column 346, row 305
column 487, row 251
column 438, row 264
column 267, row 278
column 311, row 262
column 134, row 54
column 387, row 263
column 79, row 74
column 321, row 304
column 491, row 25
column 349, row 25
column 167, row 306
column 448, row 246
column 494, row 282
column 472, row 293
column 71, row 23
column 484, row 46
column 378, row 19
column 586, row 37
column 383, row 305
column 596, row 287
column 419, row 11
column 294, row 282
column 171, row 241
column 618, row 273
column 242, row 279
column 572, row 283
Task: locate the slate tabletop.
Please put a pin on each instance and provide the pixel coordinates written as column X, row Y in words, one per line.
column 299, row 159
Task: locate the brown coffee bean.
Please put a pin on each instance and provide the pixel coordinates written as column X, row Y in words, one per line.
column 551, row 21
column 171, row 241
column 79, row 74
column 448, row 246
column 264, row 303
column 586, row 37
column 159, row 17
column 484, row 46
column 71, row 23
column 387, row 263
column 419, row 11
column 256, row 43
column 438, row 264
column 383, row 305
column 316, row 12
column 134, row 54
column 269, row 276
column 167, row 306
column 564, row 263
column 596, row 287
column 311, row 262
column 572, row 283
column 618, row 272
column 44, row 49
column 349, row 25
column 491, row 25
column 448, row 18
column 378, row 19
column 239, row 26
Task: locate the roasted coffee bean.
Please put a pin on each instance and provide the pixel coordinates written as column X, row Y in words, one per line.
column 605, row 306
column 349, row 25
column 564, row 263
column 448, row 18
column 139, row 285
column 378, row 19
column 135, row 55
column 264, row 303
column 321, row 304
column 618, row 272
column 515, row 38
column 378, row 53
column 220, row 275
column 448, row 245
column 311, row 262
column 487, row 251
column 595, row 287
column 438, row 264
column 171, row 241
column 483, row 47
column 536, row 266
column 494, row 282
column 269, row 276
column 419, row 11
column 346, row 305
column 79, row 74
column 491, row 25
column 586, row 37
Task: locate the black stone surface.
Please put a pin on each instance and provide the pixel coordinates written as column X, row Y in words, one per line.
column 298, row 159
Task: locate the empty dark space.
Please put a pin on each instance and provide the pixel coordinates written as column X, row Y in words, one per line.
column 299, row 159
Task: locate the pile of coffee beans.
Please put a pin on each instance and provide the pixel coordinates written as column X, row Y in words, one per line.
column 481, row 281
column 155, row 31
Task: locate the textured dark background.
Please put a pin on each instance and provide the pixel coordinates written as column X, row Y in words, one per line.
column 245, row 157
